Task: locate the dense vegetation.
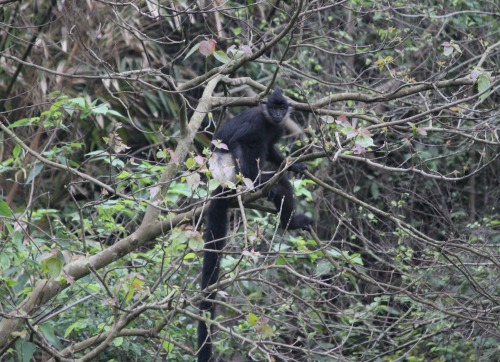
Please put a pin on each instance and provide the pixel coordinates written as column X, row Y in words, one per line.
column 107, row 110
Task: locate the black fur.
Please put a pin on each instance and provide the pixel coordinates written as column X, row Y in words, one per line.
column 250, row 137
column 214, row 240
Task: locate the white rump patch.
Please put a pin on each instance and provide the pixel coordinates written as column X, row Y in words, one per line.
column 222, row 167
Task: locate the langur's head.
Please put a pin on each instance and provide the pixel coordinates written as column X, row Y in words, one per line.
column 276, row 109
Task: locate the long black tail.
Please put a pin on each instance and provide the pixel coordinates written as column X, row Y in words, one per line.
column 214, row 240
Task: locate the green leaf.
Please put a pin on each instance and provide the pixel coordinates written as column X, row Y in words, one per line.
column 25, row 350
column 35, row 172
column 4, row 209
column 8, row 282
column 130, row 294
column 124, row 174
column 365, row 141
column 98, row 153
column 193, row 49
column 193, row 180
column 221, row 57
column 348, row 131
column 323, row 267
column 196, row 244
column 161, row 154
column 353, row 258
column 77, row 326
column 213, row 184
column 101, row 109
column 190, row 163
column 267, row 331
column 16, row 151
column 22, row 122
column 483, row 83
column 334, row 253
column 115, row 113
column 252, row 319
column 167, row 346
column 17, row 240
column 79, row 102
column 47, row 330
column 52, row 265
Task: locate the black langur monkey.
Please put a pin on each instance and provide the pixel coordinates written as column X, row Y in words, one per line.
column 250, row 138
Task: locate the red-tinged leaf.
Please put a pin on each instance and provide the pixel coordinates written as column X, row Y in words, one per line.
column 456, row 47
column 174, row 156
column 248, row 183
column 474, row 74
column 358, row 149
column 219, row 145
column 153, row 191
column 246, row 49
column 200, row 160
column 364, row 132
column 447, row 51
column 422, row 131
column 262, row 322
column 193, row 180
column 342, row 120
column 207, row 47
column 254, row 255
column 351, row 134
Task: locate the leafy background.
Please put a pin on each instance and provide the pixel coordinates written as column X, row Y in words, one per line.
column 108, row 109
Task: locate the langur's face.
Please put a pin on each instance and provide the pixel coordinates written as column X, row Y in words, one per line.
column 276, row 109
column 278, row 112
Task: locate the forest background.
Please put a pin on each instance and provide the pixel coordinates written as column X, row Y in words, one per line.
column 107, row 111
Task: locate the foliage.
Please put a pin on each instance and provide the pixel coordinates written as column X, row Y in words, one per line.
column 107, row 116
